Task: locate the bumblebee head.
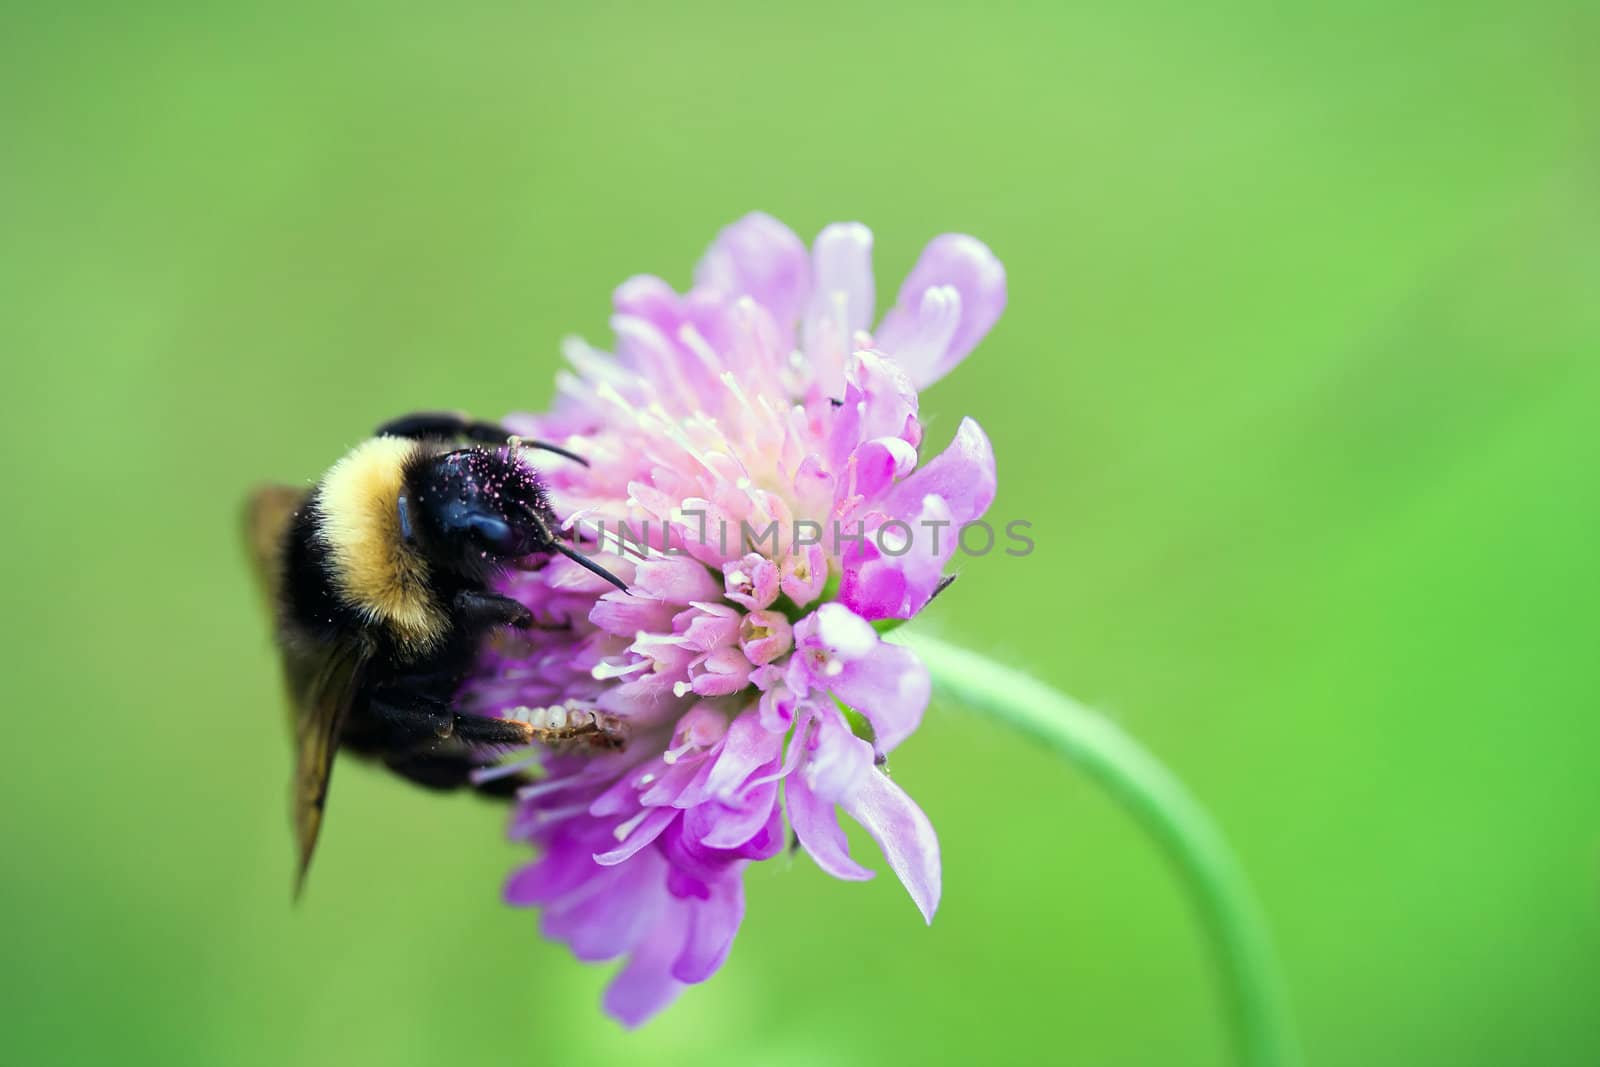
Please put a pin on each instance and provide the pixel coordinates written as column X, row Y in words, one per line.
column 475, row 510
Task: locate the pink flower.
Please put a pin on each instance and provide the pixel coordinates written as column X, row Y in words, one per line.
column 757, row 477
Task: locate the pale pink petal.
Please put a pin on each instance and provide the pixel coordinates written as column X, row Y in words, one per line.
column 879, row 401
column 817, row 827
column 903, row 832
column 842, row 267
column 647, row 297
column 963, row 474
column 759, row 257
column 843, row 633
column 837, row 759
column 764, row 636
column 891, row 688
column 677, row 579
column 747, row 747
column 841, row 304
column 627, row 615
column 926, row 333
column 722, row 672
column 805, row 573
column 751, row 581
column 966, row 266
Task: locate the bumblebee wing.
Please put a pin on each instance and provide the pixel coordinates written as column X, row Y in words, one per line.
column 268, row 513
column 324, row 688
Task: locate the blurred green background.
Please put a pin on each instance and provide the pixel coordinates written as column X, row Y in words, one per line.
column 1298, row 385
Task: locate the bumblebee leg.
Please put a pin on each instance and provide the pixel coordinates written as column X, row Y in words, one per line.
column 449, row 424
column 402, row 719
column 485, row 730
column 489, row 610
column 415, row 723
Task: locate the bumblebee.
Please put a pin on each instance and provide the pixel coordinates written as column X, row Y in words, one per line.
column 380, row 582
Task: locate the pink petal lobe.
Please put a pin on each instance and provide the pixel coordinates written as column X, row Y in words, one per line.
column 903, row 832
column 761, row 258
column 817, row 827
column 747, row 747
column 842, row 261
column 713, row 922
column 841, row 303
column 965, row 265
column 963, row 475
column 891, row 688
column 646, row 986
column 641, row 834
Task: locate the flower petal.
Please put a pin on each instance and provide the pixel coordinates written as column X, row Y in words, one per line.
column 891, row 688
column 903, row 832
column 922, row 343
column 805, row 573
column 876, row 585
column 713, row 922
column 676, row 578
column 746, row 747
column 759, row 257
column 877, row 463
column 651, row 822
column 840, row 631
column 721, row 825
column 647, row 297
column 841, row 303
column 625, row 616
column 817, row 828
column 879, row 401
column 966, row 265
column 645, row 985
column 842, row 266
column 872, row 586
column 723, row 671
column 963, row 474
column 605, row 923
column 837, row 758
column 558, row 872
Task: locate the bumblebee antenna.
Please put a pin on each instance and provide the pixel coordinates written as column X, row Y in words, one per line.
column 546, row 446
column 588, row 564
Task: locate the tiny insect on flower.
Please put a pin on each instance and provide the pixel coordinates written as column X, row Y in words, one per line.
column 742, row 666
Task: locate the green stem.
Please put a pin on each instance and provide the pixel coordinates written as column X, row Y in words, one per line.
column 1164, row 808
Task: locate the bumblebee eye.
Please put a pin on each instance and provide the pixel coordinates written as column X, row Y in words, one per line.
column 495, row 534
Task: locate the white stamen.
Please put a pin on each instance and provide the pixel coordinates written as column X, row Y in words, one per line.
column 503, row 770
column 603, row 670
column 545, row 788
column 548, row 815
column 673, row 755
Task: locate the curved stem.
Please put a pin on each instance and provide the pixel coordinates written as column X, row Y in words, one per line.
column 1164, row 808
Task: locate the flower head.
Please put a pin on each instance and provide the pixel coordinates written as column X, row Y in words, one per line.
column 757, row 477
